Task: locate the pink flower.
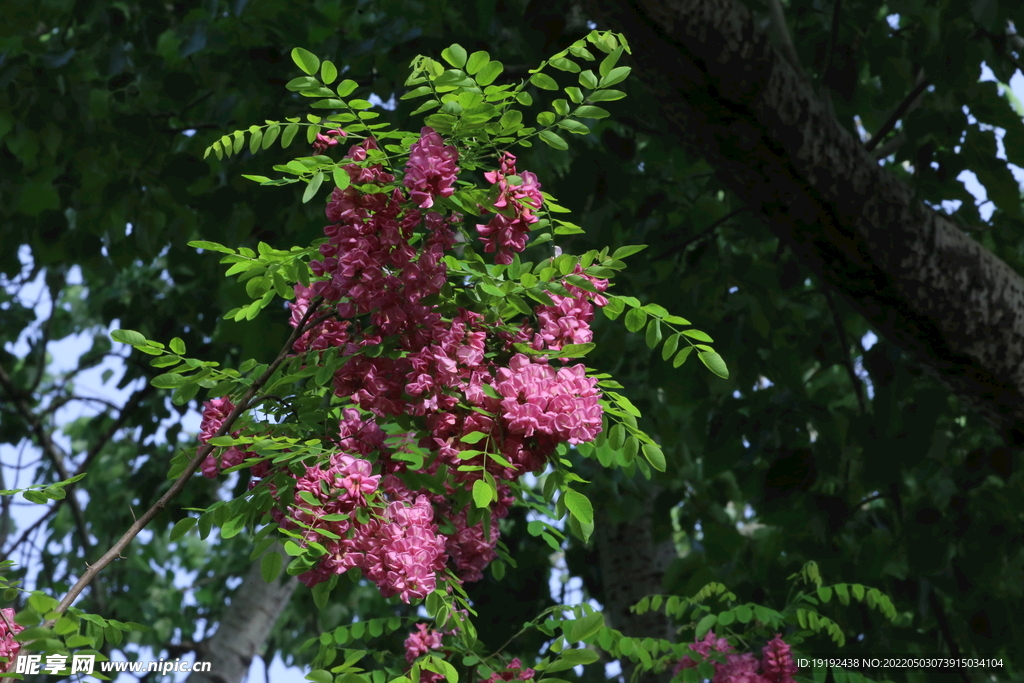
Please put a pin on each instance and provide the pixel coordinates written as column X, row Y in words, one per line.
column 421, row 641
column 9, row 647
column 777, row 661
column 431, row 170
column 537, row 398
column 508, row 231
column 703, row 647
column 514, row 671
column 328, row 139
column 738, row 669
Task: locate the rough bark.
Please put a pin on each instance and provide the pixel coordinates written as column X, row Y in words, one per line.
column 246, row 624
column 954, row 306
column 632, row 567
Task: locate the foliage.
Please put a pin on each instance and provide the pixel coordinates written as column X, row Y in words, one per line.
column 894, row 485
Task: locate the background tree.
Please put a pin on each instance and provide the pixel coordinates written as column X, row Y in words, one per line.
column 741, row 163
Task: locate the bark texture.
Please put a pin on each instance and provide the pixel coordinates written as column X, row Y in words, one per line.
column 632, row 567
column 246, row 624
column 946, row 300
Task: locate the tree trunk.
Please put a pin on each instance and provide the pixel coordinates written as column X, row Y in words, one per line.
column 246, row 624
column 734, row 100
column 632, row 567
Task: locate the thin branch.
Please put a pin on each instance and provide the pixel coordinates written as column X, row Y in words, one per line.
column 890, row 146
column 844, row 344
column 130, row 405
column 703, row 234
column 54, row 454
column 43, row 344
column 115, row 551
column 947, row 633
column 904, row 108
column 35, row 525
column 834, row 38
column 778, row 19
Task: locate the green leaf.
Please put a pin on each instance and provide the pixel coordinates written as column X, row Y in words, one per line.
column 128, row 337
column 455, row 55
column 270, row 566
column 588, row 112
column 825, row 593
column 579, row 657
column 563, row 64
column 210, row 246
column 698, row 335
column 177, row 346
column 302, row 83
column 627, row 251
column 704, row 625
column 714, row 363
column 182, row 527
column 554, row 140
column 635, row 320
column 270, row 137
column 607, row 95
column 481, row 493
column 544, row 81
column 653, row 337
column 681, row 356
column 184, row 394
column 232, row 526
column 608, row 63
column 289, row 134
column 654, row 456
column 588, row 80
column 671, row 344
column 616, row 75
column 586, row 627
column 346, row 87
column 305, row 60
column 477, row 61
column 489, row 72
column 328, row 72
column 314, row 185
column 574, row 94
column 580, row 507
column 573, row 126
column 169, row 380
column 575, row 350
column 473, row 438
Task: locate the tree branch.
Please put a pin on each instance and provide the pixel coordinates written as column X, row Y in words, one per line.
column 778, row 20
column 947, row 633
column 730, row 97
column 844, row 356
column 56, row 457
column 93, row 571
column 905, row 107
column 703, row 234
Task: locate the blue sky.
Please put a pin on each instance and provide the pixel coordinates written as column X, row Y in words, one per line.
column 100, row 383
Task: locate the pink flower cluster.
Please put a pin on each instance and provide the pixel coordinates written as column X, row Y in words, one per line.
column 776, row 664
column 560, row 403
column 214, row 414
column 326, row 140
column 515, row 671
column 456, row 373
column 9, row 647
column 431, row 171
column 421, row 641
column 508, row 230
column 568, row 321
